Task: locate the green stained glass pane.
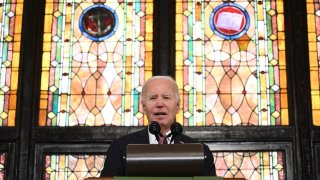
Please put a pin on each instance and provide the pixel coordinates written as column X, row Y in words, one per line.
column 96, row 57
column 232, row 55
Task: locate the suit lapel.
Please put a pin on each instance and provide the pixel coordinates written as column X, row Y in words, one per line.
column 143, row 136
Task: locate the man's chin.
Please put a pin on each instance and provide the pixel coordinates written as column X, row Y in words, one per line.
column 160, row 118
column 161, row 121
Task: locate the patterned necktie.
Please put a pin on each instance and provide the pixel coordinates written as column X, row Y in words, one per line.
column 162, row 139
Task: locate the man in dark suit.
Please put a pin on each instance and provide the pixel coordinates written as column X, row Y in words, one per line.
column 161, row 102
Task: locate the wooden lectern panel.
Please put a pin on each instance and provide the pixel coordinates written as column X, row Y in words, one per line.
column 166, row 160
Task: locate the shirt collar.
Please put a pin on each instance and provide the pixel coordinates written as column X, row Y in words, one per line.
column 153, row 139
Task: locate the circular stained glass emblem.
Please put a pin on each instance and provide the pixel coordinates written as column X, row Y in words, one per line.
column 229, row 21
column 98, row 22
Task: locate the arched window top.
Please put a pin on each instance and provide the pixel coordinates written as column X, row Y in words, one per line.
column 231, row 63
column 96, row 57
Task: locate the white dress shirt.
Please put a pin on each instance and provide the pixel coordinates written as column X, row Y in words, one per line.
column 153, row 139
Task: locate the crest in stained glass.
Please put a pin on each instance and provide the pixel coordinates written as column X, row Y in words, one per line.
column 98, row 22
column 229, row 21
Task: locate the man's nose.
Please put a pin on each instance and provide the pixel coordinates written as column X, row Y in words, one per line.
column 159, row 102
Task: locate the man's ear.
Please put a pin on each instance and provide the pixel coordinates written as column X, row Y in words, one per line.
column 143, row 105
column 178, row 106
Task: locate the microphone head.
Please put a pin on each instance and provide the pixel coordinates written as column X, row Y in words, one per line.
column 176, row 129
column 154, row 128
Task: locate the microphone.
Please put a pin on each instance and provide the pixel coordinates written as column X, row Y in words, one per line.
column 154, row 128
column 176, row 129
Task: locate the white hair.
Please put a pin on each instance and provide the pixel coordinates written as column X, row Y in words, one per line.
column 160, row 77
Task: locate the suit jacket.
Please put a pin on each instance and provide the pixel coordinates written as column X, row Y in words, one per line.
column 115, row 163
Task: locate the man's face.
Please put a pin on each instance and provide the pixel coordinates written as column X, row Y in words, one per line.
column 160, row 103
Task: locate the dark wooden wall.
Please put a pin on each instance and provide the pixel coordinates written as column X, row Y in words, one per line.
column 26, row 143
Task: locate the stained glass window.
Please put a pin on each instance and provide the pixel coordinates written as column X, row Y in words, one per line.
column 231, row 63
column 73, row 166
column 96, row 56
column 3, row 157
column 250, row 165
column 313, row 13
column 10, row 40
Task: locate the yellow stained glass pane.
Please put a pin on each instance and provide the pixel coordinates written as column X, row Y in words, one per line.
column 314, row 60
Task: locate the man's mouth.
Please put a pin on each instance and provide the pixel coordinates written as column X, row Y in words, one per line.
column 160, row 113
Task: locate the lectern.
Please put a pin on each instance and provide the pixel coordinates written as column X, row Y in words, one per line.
column 164, row 162
column 170, row 160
